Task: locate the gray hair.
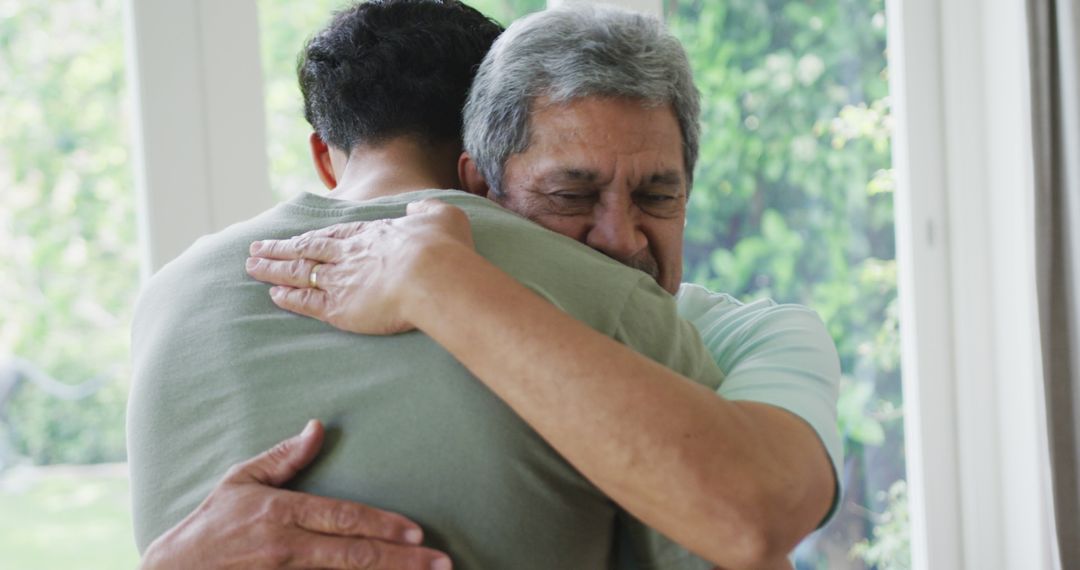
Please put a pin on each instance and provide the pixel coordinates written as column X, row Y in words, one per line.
column 569, row 53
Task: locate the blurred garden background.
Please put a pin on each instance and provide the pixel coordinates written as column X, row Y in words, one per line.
column 793, row 200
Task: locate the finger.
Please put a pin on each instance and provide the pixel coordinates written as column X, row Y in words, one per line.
column 309, row 245
column 316, row 551
column 282, row 462
column 339, row 231
column 454, row 219
column 336, row 231
column 291, row 273
column 424, row 206
column 344, row 518
column 306, row 301
column 434, row 207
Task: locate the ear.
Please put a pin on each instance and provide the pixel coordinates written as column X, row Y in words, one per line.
column 324, row 166
column 471, row 180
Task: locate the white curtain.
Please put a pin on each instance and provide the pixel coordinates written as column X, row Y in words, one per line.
column 1054, row 27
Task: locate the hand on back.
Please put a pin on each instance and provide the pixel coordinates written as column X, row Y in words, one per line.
column 359, row 276
column 249, row 522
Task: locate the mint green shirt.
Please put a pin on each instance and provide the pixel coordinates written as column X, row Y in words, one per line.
column 781, row 355
column 221, row 374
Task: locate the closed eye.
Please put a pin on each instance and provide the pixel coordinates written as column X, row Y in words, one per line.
column 654, row 197
column 572, row 202
column 660, row 204
column 574, row 195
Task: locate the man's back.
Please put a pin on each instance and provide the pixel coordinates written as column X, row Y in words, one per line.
column 221, row 373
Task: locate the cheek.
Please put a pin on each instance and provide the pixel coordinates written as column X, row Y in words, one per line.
column 665, row 241
column 570, row 226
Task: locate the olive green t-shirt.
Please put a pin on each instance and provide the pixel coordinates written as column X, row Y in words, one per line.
column 221, row 374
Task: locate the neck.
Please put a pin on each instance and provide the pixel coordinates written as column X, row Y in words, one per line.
column 398, row 166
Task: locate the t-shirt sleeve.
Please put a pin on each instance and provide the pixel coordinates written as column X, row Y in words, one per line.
column 781, row 355
column 650, row 324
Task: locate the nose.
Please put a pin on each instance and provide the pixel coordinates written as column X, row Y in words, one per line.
column 617, row 233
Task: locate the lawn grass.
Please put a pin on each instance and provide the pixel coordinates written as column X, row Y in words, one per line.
column 66, row 517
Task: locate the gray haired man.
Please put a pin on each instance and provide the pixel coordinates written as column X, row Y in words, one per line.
column 586, row 122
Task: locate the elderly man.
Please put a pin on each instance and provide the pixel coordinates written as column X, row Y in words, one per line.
column 597, row 145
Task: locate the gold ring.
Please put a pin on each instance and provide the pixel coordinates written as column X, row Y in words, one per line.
column 313, row 277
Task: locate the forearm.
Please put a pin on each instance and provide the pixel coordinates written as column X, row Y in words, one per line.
column 719, row 477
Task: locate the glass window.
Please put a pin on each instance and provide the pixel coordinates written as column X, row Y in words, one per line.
column 70, row 274
column 793, row 199
column 283, row 28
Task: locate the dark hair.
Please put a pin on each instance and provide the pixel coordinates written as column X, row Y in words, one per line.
column 387, row 68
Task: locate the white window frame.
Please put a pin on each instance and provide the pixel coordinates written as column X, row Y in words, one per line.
column 972, row 380
column 978, row 492
column 199, row 125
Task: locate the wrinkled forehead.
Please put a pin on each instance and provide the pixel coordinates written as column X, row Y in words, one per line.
column 585, row 139
column 598, row 110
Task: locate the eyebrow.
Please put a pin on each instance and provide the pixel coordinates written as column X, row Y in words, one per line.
column 572, row 175
column 666, row 178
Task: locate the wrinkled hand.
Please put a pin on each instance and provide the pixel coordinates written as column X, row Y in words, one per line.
column 247, row 522
column 365, row 271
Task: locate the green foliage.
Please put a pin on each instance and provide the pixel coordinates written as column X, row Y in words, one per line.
column 283, row 29
column 50, row 430
column 506, row 11
column 793, row 200
column 67, row 222
column 890, row 546
column 76, row 517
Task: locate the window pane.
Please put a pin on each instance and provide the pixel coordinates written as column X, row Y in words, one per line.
column 70, row 273
column 793, row 200
column 283, row 28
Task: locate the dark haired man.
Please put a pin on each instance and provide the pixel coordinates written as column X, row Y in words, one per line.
column 538, row 511
column 204, row 398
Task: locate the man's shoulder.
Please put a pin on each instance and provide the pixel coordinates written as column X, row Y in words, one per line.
column 211, row 256
column 207, row 282
column 220, row 255
column 762, row 345
column 722, row 314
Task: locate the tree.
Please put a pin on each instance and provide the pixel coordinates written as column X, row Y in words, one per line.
column 67, row 220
